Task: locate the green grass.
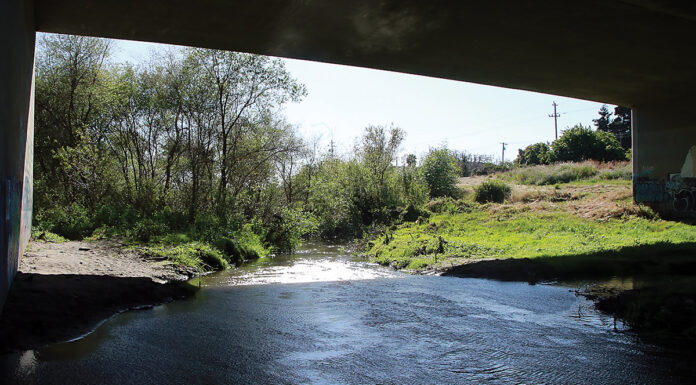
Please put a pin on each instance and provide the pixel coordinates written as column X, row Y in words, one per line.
column 517, row 233
column 47, row 236
column 569, row 172
column 198, row 255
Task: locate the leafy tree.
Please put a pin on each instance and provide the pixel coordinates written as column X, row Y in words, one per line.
column 440, row 171
column 537, row 153
column 582, row 143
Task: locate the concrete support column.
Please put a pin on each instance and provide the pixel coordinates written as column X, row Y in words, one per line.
column 17, row 39
column 663, row 135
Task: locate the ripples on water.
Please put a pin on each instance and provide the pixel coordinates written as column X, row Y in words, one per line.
column 321, row 316
column 314, row 263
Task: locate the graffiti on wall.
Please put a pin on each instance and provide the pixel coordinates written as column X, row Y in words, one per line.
column 677, row 194
column 650, row 191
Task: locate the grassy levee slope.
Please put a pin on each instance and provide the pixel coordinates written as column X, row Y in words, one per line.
column 515, row 232
column 586, row 228
column 591, row 217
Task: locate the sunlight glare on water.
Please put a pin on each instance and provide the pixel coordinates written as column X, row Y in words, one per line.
column 317, row 263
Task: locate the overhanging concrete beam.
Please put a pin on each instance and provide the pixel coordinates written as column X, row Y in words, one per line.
column 623, row 52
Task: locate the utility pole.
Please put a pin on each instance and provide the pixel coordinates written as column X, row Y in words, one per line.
column 555, row 118
column 331, row 150
column 502, row 161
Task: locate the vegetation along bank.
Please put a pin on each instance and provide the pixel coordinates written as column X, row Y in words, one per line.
column 191, row 162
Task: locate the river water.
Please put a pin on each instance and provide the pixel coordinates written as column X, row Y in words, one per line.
column 321, row 317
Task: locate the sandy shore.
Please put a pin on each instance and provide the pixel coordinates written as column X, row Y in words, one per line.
column 64, row 290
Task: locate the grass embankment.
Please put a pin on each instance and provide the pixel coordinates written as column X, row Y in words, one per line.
column 218, row 255
column 569, row 221
column 182, row 248
column 591, row 212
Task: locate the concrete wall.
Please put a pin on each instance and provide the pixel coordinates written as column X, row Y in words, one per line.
column 663, row 134
column 17, row 39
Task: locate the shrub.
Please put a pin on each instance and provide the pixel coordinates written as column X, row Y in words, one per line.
column 492, row 191
column 440, row 171
column 72, row 222
column 534, row 154
column 199, row 255
column 236, row 251
column 582, row 143
column 412, row 213
column 46, row 236
column 147, row 228
column 288, row 228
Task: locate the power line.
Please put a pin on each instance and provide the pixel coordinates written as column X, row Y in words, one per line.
column 555, row 117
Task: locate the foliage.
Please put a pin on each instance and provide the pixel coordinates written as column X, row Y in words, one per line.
column 569, row 172
column 46, row 236
column 72, row 221
column 289, row 227
column 620, row 126
column 147, row 229
column 491, row 191
column 534, row 154
column 440, row 171
column 602, row 123
column 582, row 143
column 198, row 255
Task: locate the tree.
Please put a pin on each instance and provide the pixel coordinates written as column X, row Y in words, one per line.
column 378, row 151
column 440, row 171
column 621, row 126
column 72, row 117
column 602, row 123
column 581, row 143
column 537, row 153
column 244, row 89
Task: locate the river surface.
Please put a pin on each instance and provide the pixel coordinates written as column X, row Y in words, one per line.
column 321, row 317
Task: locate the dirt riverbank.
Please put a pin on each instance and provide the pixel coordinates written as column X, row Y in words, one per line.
column 64, row 290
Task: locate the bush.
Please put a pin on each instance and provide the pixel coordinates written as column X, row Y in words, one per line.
column 147, row 228
column 412, row 213
column 289, row 227
column 199, row 255
column 73, row 222
column 440, row 170
column 582, row 143
column 534, row 154
column 237, row 251
column 492, row 191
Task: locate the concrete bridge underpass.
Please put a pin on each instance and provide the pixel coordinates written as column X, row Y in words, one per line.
column 637, row 53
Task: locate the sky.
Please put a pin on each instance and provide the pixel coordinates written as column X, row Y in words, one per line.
column 343, row 100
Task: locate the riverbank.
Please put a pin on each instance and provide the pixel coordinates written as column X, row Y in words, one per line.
column 582, row 230
column 66, row 289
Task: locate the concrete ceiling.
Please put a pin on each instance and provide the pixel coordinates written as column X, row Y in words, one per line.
column 628, row 52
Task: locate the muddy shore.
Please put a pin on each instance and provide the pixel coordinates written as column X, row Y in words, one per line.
column 65, row 290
